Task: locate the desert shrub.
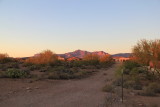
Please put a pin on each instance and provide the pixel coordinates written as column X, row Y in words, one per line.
column 67, row 73
column 1, row 66
column 76, row 63
column 27, row 64
column 130, row 64
column 106, row 61
column 45, row 57
column 81, row 74
column 146, row 51
column 117, row 81
column 2, row 74
column 5, row 66
column 57, row 63
column 4, row 58
column 129, row 84
column 16, row 73
column 108, row 88
column 107, row 64
column 151, row 89
column 34, row 67
column 155, row 87
column 13, row 65
column 91, row 59
column 138, row 70
column 150, row 76
column 148, row 92
column 59, row 75
column 45, row 68
column 126, row 71
column 53, row 75
column 58, row 68
column 65, row 76
column 133, row 85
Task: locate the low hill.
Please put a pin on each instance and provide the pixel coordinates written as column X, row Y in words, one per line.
column 122, row 55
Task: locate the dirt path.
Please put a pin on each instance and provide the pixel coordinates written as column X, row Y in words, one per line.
column 85, row 92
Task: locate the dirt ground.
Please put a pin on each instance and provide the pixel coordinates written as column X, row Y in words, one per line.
column 86, row 92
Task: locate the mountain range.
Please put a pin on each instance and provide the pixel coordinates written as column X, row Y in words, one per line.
column 122, row 55
column 82, row 53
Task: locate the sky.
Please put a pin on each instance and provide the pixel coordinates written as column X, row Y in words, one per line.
column 28, row 27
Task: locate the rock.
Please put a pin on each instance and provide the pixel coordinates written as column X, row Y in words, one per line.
column 36, row 87
column 28, row 88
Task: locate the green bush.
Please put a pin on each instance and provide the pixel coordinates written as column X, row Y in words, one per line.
column 34, row 67
column 138, row 70
column 16, row 73
column 130, row 65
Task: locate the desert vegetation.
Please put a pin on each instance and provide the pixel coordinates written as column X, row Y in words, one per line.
column 147, row 52
column 141, row 73
column 45, row 57
column 46, row 65
column 138, row 77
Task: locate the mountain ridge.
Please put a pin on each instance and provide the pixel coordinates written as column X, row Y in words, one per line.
column 81, row 53
column 126, row 55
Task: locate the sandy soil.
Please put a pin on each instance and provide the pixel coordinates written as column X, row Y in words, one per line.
column 85, row 92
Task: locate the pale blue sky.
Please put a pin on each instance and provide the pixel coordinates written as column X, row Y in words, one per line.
column 114, row 26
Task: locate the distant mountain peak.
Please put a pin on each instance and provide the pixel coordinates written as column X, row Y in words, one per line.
column 81, row 53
